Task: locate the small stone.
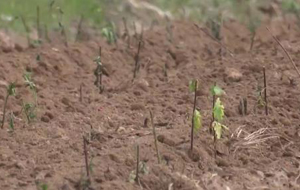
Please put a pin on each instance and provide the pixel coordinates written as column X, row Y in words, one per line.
column 137, row 107
column 114, row 158
column 233, row 75
column 121, row 130
column 45, row 119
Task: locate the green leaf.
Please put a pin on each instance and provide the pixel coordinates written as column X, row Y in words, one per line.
column 11, row 122
column 11, row 89
column 197, row 120
column 217, row 91
column 193, row 85
column 218, row 110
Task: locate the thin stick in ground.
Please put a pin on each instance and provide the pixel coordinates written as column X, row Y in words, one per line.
column 252, row 40
column 194, row 109
column 4, row 111
column 265, row 92
column 216, row 40
column 137, row 164
column 137, row 57
column 155, row 138
column 285, row 51
column 81, row 93
column 126, row 32
column 79, row 28
column 26, row 29
column 86, row 157
column 38, row 23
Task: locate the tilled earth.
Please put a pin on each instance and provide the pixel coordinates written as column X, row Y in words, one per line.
column 258, row 151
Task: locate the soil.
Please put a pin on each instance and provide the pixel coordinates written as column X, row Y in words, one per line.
column 257, row 152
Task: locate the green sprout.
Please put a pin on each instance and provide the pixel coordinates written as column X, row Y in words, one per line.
column 219, row 116
column 143, row 169
column 109, row 34
column 10, row 91
column 29, row 111
column 197, row 120
column 29, row 83
column 217, row 91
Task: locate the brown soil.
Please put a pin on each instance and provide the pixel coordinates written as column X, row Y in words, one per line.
column 50, row 150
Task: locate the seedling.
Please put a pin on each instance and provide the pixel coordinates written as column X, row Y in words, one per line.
column 10, row 91
column 265, row 91
column 155, row 138
column 126, row 33
column 109, row 33
column 62, row 27
column 79, row 28
column 26, row 30
column 29, row 111
column 38, row 26
column 141, row 168
column 99, row 71
column 217, row 124
column 86, row 157
column 11, row 122
column 29, row 83
column 137, row 62
column 196, row 118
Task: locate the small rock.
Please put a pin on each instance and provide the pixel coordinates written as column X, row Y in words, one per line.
column 166, row 140
column 114, row 158
column 121, row 130
column 233, row 75
column 142, row 84
column 20, row 165
column 45, row 119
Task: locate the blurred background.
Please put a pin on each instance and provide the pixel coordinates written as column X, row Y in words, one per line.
column 92, row 16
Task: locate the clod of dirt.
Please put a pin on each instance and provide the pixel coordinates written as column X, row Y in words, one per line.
column 164, row 139
column 114, row 158
column 222, row 162
column 178, row 55
column 47, row 117
column 137, row 107
column 7, row 44
column 142, row 84
column 232, row 75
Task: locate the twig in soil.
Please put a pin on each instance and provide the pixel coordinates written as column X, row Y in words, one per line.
column 243, row 106
column 81, row 93
column 62, row 27
column 26, row 29
column 285, row 51
column 155, row 138
column 265, row 91
column 126, row 34
column 38, row 23
column 79, row 28
column 213, row 38
column 137, row 64
column 252, row 40
column 86, row 157
column 194, row 109
column 135, row 30
column 137, row 164
column 99, row 71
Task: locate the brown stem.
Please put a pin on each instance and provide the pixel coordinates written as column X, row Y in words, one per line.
column 4, row 111
column 215, row 39
column 285, row 51
column 26, row 29
column 79, row 29
column 194, row 108
column 38, row 22
column 137, row 163
column 81, row 93
column 155, row 138
column 252, row 40
column 126, row 32
column 265, row 91
column 137, row 57
column 86, row 157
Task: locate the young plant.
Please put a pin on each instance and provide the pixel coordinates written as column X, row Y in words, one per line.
column 137, row 61
column 62, row 27
column 196, row 118
column 29, row 83
column 155, row 138
column 219, row 116
column 141, row 168
column 109, row 34
column 10, row 91
column 11, row 122
column 29, row 111
column 99, row 72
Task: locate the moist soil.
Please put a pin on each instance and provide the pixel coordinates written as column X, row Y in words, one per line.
column 258, row 151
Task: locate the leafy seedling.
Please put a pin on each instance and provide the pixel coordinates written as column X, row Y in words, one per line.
column 29, row 111
column 29, row 83
column 10, row 91
column 99, row 72
column 109, row 34
column 11, row 122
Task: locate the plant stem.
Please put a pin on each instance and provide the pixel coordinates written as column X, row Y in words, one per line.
column 26, row 29
column 252, row 40
column 81, row 94
column 285, row 51
column 46, row 33
column 155, row 138
column 194, row 108
column 38, row 22
column 4, row 111
column 137, row 57
column 265, row 91
column 79, row 29
column 126, row 32
column 137, row 163
column 86, row 157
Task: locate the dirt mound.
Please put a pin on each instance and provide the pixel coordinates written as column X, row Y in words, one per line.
column 258, row 152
